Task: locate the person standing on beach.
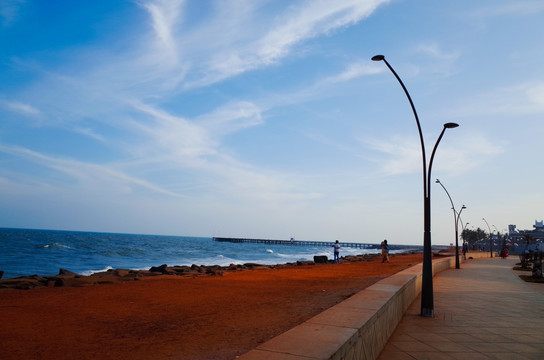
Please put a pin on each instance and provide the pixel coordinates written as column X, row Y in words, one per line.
column 336, row 247
column 385, row 251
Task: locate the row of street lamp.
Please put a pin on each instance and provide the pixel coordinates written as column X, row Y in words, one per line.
column 427, row 297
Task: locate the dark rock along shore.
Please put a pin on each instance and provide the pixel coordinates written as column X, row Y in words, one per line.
column 68, row 278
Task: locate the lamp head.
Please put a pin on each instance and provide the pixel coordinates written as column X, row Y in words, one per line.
column 378, row 58
column 463, row 207
column 437, row 181
column 450, row 125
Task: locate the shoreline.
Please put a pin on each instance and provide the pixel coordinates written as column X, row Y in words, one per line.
column 68, row 278
column 164, row 316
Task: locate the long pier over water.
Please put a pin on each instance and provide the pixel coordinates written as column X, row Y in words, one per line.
column 313, row 243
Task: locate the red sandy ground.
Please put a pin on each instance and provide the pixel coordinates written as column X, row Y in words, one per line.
column 173, row 317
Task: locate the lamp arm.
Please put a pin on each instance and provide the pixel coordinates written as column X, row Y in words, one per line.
column 425, row 178
column 447, row 193
column 431, row 161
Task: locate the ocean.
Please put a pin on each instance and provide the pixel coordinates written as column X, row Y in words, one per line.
column 43, row 252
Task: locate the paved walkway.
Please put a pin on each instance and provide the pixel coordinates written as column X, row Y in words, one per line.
column 482, row 311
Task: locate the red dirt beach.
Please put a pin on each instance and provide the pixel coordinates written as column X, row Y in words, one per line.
column 179, row 317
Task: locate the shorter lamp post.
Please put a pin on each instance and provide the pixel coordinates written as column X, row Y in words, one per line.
column 456, row 217
column 490, row 239
column 498, row 237
column 457, row 236
column 463, row 234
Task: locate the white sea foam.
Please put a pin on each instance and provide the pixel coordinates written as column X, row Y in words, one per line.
column 90, row 272
column 56, row 245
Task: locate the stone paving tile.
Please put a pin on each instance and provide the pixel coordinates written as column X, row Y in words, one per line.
column 531, row 339
column 396, row 355
column 521, row 348
column 396, row 337
column 448, row 346
column 430, row 356
column 414, row 345
column 462, row 338
column 504, row 330
column 485, row 347
column 492, row 337
column 510, row 356
column 534, row 356
column 438, row 329
column 470, row 356
column 428, row 337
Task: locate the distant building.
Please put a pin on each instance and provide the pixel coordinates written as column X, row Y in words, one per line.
column 519, row 235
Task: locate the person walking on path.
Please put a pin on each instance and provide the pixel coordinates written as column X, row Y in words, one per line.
column 385, row 251
column 336, row 247
column 465, row 250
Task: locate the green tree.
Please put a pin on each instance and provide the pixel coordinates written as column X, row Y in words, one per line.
column 473, row 236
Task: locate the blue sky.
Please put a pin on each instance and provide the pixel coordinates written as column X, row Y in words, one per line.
column 254, row 118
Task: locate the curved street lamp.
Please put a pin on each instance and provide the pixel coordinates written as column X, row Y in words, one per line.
column 461, row 220
column 457, row 226
column 490, row 239
column 463, row 235
column 456, row 218
column 427, row 301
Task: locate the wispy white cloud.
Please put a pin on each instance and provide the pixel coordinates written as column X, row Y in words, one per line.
column 196, row 146
column 321, row 87
column 308, row 19
column 535, row 94
column 516, row 100
column 274, row 38
column 258, row 40
column 434, row 50
column 89, row 132
column 402, row 156
column 354, row 71
column 231, row 117
column 519, row 8
column 9, row 11
column 89, row 174
column 165, row 18
column 19, row 107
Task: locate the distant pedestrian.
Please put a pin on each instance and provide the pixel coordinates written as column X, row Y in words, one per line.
column 385, row 251
column 336, row 247
column 465, row 250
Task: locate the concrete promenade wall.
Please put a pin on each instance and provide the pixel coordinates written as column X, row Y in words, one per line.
column 357, row 328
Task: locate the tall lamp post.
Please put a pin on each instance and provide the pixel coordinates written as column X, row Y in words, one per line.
column 490, row 239
column 427, row 301
column 456, row 217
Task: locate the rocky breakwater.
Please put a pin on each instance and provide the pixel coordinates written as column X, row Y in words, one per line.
column 69, row 278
